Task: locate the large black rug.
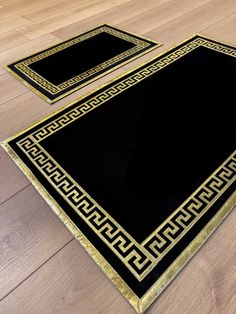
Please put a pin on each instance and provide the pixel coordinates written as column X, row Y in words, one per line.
column 142, row 170
column 61, row 69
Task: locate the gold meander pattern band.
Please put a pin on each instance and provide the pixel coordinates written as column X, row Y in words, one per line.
column 23, row 66
column 140, row 259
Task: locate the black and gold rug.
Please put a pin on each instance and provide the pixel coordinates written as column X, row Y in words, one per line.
column 61, row 69
column 142, row 170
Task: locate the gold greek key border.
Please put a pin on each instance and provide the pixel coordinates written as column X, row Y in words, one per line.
column 23, row 66
column 140, row 304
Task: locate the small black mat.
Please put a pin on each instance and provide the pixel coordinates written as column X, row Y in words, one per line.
column 61, row 69
column 142, row 170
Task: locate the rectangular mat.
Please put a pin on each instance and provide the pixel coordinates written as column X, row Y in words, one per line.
column 61, row 69
column 142, row 170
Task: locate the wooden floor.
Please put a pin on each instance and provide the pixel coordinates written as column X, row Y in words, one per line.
column 42, row 268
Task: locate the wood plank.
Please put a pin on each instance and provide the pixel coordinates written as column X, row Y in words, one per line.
column 27, row 48
column 30, row 234
column 224, row 30
column 10, row 2
column 10, row 88
column 194, row 21
column 2, row 70
column 169, row 11
column 11, row 118
column 115, row 15
column 35, row 30
column 35, row 108
column 12, row 179
column 71, row 280
column 11, row 39
column 24, row 7
column 60, row 8
column 73, row 283
column 12, row 23
column 183, row 27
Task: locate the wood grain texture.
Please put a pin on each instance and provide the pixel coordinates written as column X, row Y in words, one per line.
column 62, row 8
column 169, row 11
column 115, row 15
column 223, row 30
column 11, row 39
column 39, row 271
column 29, row 236
column 29, row 47
column 12, row 23
column 11, row 178
column 58, row 277
column 25, row 7
column 10, row 88
column 38, row 29
column 70, row 281
column 2, row 70
column 195, row 21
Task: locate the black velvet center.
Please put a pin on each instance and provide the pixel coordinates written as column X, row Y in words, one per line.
column 80, row 57
column 143, row 153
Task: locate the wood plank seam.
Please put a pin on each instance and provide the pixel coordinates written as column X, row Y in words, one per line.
column 44, row 263
column 15, row 194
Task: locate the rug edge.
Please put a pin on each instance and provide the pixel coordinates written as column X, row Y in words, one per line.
column 102, row 263
column 174, row 269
